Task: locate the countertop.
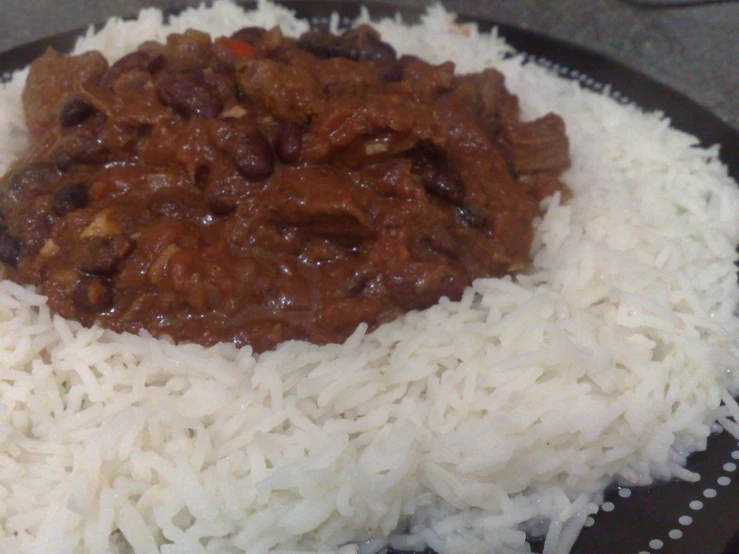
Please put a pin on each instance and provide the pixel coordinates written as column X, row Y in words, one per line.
column 693, row 50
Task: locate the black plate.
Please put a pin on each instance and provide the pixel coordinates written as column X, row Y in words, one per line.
column 675, row 518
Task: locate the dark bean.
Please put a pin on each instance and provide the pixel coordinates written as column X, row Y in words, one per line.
column 323, row 44
column 27, row 182
column 92, row 296
column 135, row 61
column 155, row 63
column 356, row 44
column 101, row 255
column 11, row 248
column 83, row 145
column 37, row 172
column 189, row 95
column 70, row 198
column 437, row 175
column 390, row 71
column 200, row 177
column 251, row 152
column 249, row 35
column 289, row 142
column 221, row 204
column 473, row 215
column 367, row 44
column 446, row 182
column 254, row 157
column 419, row 285
column 74, row 112
column 372, row 48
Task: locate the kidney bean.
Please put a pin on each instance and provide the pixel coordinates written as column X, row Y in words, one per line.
column 254, row 158
column 36, row 172
column 372, row 48
column 250, row 151
column 323, row 44
column 446, row 183
column 420, row 284
column 27, row 182
column 289, row 142
column 221, row 204
column 70, row 198
column 93, row 296
column 11, row 248
column 473, row 215
column 356, row 44
column 102, row 255
column 135, row 61
column 83, row 145
column 189, row 95
column 438, row 176
column 74, row 112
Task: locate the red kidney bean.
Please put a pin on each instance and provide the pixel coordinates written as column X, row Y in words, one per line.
column 438, row 176
column 254, row 157
column 102, row 255
column 250, row 151
column 221, row 204
column 189, row 95
column 323, row 44
column 289, row 142
column 36, row 172
column 372, row 48
column 83, row 145
column 135, row 61
column 11, row 248
column 74, row 112
column 355, row 44
column 446, row 183
column 70, row 198
column 27, row 182
column 473, row 215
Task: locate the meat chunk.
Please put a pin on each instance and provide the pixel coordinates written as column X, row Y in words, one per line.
column 321, row 200
column 483, row 94
column 290, row 93
column 53, row 80
column 539, row 145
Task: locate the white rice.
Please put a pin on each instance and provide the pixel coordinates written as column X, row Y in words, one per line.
column 461, row 425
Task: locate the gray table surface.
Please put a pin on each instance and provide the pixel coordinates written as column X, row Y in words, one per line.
column 695, row 51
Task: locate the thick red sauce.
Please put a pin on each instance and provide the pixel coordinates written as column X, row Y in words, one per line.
column 257, row 189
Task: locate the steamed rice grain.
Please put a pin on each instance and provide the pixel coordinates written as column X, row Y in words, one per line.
column 460, row 427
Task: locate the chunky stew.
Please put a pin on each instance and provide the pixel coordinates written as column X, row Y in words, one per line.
column 260, row 188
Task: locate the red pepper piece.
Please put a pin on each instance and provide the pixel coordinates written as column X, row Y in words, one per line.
column 239, row 49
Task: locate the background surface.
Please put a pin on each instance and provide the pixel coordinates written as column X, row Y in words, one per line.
column 693, row 50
